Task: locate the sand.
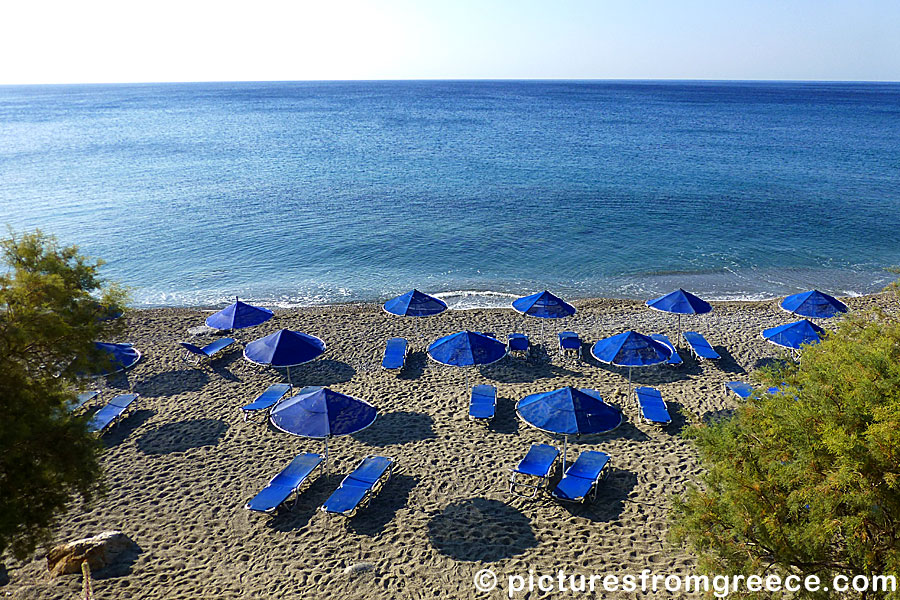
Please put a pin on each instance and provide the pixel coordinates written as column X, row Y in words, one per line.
column 182, row 464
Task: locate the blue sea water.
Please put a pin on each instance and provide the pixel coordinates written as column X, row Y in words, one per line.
column 301, row 193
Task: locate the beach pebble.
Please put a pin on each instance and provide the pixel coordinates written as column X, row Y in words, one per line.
column 357, row 568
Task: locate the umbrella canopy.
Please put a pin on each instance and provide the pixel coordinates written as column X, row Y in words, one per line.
column 121, row 357
column 318, row 412
column 568, row 411
column 415, row 304
column 238, row 316
column 814, row 304
column 680, row 302
column 631, row 349
column 544, row 305
column 466, row 349
column 794, row 335
column 321, row 413
column 284, row 348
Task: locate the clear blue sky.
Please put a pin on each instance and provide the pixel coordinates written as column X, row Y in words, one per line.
column 199, row 40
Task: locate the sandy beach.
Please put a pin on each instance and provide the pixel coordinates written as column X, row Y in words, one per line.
column 182, row 464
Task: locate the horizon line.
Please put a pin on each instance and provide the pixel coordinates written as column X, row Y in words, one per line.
column 461, row 80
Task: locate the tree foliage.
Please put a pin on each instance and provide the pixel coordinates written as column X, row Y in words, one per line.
column 807, row 481
column 52, row 309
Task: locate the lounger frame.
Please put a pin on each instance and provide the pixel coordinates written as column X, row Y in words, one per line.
column 472, row 403
column 571, row 335
column 402, row 360
column 595, row 485
column 687, row 335
column 115, row 420
column 371, row 491
column 637, row 402
column 542, row 483
column 249, row 412
column 296, row 490
column 193, row 354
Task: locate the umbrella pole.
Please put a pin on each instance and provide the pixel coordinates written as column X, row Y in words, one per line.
column 565, row 451
column 630, row 389
column 291, row 383
column 326, row 454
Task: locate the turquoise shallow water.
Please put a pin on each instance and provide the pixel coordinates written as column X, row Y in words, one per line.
column 306, row 193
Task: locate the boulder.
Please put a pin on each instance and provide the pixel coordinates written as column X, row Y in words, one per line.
column 100, row 551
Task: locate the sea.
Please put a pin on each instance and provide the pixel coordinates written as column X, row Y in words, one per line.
column 307, row 193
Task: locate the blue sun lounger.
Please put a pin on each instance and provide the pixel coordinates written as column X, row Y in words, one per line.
column 744, row 390
column 517, row 343
column 360, row 485
column 110, row 414
column 581, row 478
column 653, row 409
column 699, row 346
column 394, row 354
column 537, row 464
column 266, row 400
column 82, row 399
column 662, row 339
column 570, row 343
column 287, row 482
column 197, row 354
column 483, row 403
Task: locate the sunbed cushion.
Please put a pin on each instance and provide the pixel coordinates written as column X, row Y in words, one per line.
column 662, row 339
column 652, row 406
column 518, row 342
column 109, row 413
column 482, row 405
column 369, row 471
column 538, row 461
column 581, row 476
column 284, row 483
column 569, row 340
column 269, row 498
column 345, row 498
column 268, row 398
column 394, row 353
column 700, row 346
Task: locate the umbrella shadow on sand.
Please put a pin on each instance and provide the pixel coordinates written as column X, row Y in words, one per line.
column 182, row 436
column 170, row 383
column 382, row 508
column 397, row 428
column 612, row 493
column 126, row 426
column 321, row 373
column 483, row 530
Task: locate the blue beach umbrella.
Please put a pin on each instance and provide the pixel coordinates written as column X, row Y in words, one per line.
column 321, row 413
column 466, row 349
column 543, row 305
column 631, row 349
column 813, row 304
column 680, row 303
column 238, row 316
column 415, row 304
column 120, row 357
column 568, row 411
column 284, row 348
column 794, row 335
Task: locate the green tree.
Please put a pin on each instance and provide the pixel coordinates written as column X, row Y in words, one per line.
column 52, row 308
column 806, row 481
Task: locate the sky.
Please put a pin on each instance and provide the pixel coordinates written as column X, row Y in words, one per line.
column 93, row 41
